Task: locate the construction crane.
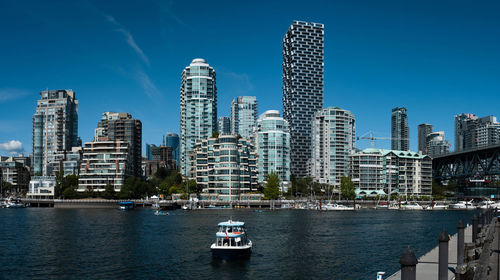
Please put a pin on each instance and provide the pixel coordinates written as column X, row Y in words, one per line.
column 373, row 138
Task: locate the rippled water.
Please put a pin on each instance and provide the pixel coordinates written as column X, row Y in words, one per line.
column 288, row 244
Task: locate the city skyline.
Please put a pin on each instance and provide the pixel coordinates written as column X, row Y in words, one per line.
column 369, row 68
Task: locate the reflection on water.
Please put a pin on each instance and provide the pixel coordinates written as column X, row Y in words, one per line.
column 289, row 244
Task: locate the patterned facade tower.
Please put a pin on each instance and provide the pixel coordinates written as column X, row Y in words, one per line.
column 198, row 107
column 303, row 77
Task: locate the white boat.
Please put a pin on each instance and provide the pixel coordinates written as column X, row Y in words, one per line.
column 437, row 206
column 462, row 205
column 336, row 207
column 12, row 202
column 161, row 213
column 488, row 204
column 411, row 206
column 231, row 241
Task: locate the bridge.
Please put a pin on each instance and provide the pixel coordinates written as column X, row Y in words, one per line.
column 474, row 165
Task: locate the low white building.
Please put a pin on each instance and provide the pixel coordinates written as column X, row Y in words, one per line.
column 42, row 187
column 379, row 172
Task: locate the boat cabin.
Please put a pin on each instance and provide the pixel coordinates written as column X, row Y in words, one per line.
column 231, row 234
column 126, row 205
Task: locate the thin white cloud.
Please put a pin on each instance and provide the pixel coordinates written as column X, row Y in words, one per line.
column 128, row 37
column 8, row 94
column 147, row 84
column 242, row 81
column 12, row 146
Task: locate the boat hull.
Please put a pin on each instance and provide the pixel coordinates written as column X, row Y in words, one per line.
column 233, row 253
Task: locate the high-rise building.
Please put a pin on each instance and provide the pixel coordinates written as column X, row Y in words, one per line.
column 333, row 139
column 380, row 172
column 121, row 126
column 198, row 107
column 15, row 173
column 149, row 154
column 224, row 125
column 473, row 132
column 272, row 144
column 172, row 140
column 224, row 167
column 436, row 145
column 464, row 127
column 104, row 162
column 244, row 115
column 55, row 127
column 423, row 130
column 400, row 132
column 303, row 74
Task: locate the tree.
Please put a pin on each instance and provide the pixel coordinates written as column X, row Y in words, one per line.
column 347, row 188
column 193, row 187
column 70, row 193
column 215, row 134
column 272, row 191
column 109, row 192
column 135, row 188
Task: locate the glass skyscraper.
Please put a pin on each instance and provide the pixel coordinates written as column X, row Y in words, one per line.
column 400, row 132
column 244, row 115
column 55, row 128
column 224, row 125
column 303, row 65
column 198, row 107
column 272, row 143
column 172, row 140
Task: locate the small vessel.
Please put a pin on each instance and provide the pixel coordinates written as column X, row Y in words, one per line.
column 488, row 204
column 12, row 202
column 231, row 241
column 462, row 205
column 336, row 207
column 437, row 206
column 411, row 206
column 161, row 213
column 126, row 205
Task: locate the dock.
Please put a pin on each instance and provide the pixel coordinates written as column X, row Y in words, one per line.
column 427, row 267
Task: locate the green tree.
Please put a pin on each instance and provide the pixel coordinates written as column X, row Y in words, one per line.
column 193, row 187
column 59, row 188
column 215, row 134
column 70, row 193
column 109, row 192
column 135, row 188
column 272, row 191
column 347, row 188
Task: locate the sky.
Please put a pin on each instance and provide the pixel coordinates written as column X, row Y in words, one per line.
column 436, row 58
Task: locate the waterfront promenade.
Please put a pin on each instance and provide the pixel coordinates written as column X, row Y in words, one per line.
column 427, row 267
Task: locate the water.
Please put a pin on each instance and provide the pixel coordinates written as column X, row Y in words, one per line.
column 288, row 244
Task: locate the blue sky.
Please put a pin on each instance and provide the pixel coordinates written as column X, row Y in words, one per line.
column 436, row 58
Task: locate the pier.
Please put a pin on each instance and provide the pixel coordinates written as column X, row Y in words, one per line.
column 471, row 254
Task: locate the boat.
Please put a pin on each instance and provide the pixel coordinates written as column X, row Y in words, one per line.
column 12, row 202
column 231, row 241
column 437, row 206
column 411, row 206
column 488, row 204
column 161, row 213
column 462, row 205
column 126, row 205
column 336, row 207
